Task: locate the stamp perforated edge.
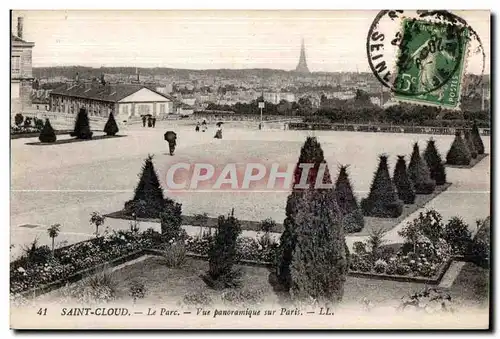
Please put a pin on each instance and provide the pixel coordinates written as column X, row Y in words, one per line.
column 466, row 54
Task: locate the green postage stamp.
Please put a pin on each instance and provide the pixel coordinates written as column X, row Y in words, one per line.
column 431, row 63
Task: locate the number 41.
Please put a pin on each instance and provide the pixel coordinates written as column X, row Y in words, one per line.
column 42, row 311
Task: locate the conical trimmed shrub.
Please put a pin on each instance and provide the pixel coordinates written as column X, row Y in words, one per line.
column 47, row 134
column 319, row 262
column 435, row 163
column 419, row 173
column 82, row 127
column 348, row 204
column 469, row 142
column 382, row 201
column 148, row 201
column 458, row 153
column 478, row 142
column 404, row 186
column 310, row 153
column 111, row 128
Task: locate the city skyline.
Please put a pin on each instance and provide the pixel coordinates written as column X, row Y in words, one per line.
column 201, row 40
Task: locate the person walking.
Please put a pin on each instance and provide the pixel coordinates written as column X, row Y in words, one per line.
column 154, row 122
column 171, row 138
column 143, row 121
column 197, row 128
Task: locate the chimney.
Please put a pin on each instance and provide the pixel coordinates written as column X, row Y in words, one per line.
column 20, row 27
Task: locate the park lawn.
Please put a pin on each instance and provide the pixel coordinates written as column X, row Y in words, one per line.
column 168, row 286
column 472, row 286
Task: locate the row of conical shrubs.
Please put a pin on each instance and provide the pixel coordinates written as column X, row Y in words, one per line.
column 387, row 196
column 463, row 150
column 81, row 129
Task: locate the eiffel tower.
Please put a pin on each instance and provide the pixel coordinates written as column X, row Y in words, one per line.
column 302, row 66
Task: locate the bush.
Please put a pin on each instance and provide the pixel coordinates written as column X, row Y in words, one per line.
column 469, row 142
column 380, row 266
column 476, row 137
column 310, row 153
column 420, row 174
column 82, row 127
column 481, row 243
column 37, row 254
column 38, row 124
column 359, row 247
column 198, row 299
column 223, row 254
column 47, row 133
column 18, row 119
column 348, row 204
column 435, row 163
column 99, row 288
column 319, row 262
column 137, row 290
column 148, row 201
column 457, row 235
column 174, row 254
column 360, row 263
column 382, row 201
column 111, row 128
column 268, row 225
column 427, row 225
column 458, row 153
column 244, row 296
column 171, row 222
column 404, row 186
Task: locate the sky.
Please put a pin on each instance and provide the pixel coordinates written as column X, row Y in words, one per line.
column 335, row 40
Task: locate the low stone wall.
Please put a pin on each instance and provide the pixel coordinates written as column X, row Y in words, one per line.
column 380, row 128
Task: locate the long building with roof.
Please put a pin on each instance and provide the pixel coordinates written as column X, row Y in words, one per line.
column 124, row 100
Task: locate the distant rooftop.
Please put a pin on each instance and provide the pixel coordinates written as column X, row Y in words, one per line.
column 96, row 91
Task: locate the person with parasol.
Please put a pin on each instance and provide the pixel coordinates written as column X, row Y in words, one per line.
column 218, row 133
column 171, row 138
column 197, row 128
column 203, row 125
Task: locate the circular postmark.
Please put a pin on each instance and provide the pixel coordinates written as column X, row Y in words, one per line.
column 420, row 53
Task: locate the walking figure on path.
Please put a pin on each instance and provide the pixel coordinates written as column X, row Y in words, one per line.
column 197, row 128
column 143, row 121
column 171, row 138
column 154, row 121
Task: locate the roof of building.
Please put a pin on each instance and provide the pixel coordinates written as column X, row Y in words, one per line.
column 17, row 40
column 108, row 92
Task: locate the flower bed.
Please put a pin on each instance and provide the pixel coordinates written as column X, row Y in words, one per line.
column 40, row 267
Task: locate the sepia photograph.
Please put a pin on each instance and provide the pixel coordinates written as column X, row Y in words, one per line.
column 250, row 169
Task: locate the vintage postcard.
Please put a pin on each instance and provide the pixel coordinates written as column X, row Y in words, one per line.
column 250, row 169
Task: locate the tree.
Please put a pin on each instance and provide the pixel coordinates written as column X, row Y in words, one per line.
column 469, row 142
column 435, row 163
column 148, row 201
column 458, row 153
column 111, row 128
column 476, row 136
column 404, row 186
column 319, row 261
column 82, row 127
column 348, row 204
column 53, row 232
column 382, row 201
column 223, row 254
column 310, row 153
column 420, row 174
column 47, row 134
column 18, row 119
